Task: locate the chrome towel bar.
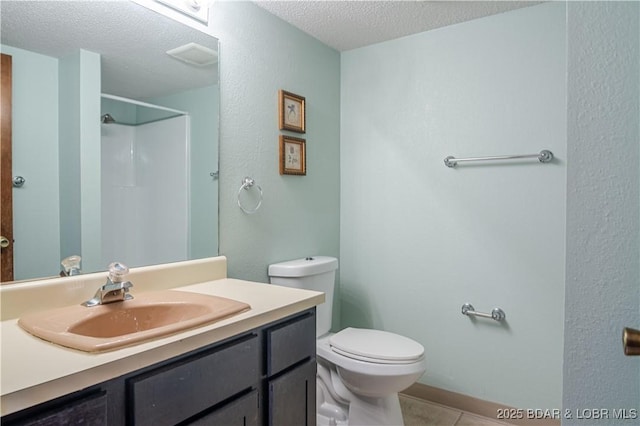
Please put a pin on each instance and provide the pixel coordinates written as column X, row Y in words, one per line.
column 496, row 314
column 544, row 157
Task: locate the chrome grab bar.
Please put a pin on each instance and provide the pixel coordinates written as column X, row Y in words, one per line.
column 544, row 157
column 496, row 314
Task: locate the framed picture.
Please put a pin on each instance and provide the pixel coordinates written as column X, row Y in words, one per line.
column 292, row 112
column 293, row 156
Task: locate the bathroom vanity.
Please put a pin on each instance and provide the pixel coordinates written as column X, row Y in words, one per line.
column 255, row 368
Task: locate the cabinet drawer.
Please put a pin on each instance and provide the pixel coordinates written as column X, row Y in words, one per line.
column 291, row 342
column 175, row 392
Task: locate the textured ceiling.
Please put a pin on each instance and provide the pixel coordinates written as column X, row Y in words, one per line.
column 132, row 41
column 346, row 25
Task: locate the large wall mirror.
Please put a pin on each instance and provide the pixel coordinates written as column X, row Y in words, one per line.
column 116, row 140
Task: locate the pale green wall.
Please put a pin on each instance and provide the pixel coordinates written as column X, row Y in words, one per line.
column 36, row 222
column 69, row 150
column 79, row 110
column 90, row 153
column 260, row 54
column 418, row 239
column 603, row 208
column 56, row 100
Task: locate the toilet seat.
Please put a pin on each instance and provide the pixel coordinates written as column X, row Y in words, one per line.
column 376, row 346
column 366, row 378
column 326, row 352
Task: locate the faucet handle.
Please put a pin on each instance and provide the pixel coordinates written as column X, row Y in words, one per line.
column 117, row 272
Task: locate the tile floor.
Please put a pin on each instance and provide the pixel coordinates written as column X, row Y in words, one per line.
column 417, row 412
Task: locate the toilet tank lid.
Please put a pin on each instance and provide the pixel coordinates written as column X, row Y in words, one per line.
column 304, row 267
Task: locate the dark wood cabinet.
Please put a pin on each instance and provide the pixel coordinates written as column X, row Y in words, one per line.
column 291, row 372
column 83, row 408
column 292, row 397
column 171, row 394
column 288, row 342
column 244, row 411
column 264, row 376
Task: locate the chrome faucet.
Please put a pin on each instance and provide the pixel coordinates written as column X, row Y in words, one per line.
column 115, row 289
column 70, row 266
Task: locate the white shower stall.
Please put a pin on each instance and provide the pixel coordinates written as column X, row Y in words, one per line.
column 145, row 184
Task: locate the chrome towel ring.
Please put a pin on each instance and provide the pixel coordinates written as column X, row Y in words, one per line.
column 248, row 183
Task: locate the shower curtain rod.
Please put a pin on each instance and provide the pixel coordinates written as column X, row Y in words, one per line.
column 144, row 104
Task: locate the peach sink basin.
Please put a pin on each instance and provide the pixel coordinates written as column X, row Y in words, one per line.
column 115, row 325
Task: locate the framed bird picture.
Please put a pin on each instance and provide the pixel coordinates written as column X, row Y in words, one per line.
column 292, row 111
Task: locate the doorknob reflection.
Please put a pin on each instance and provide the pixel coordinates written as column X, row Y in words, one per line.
column 631, row 341
column 4, row 242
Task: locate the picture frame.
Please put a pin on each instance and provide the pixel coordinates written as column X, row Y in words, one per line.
column 292, row 111
column 293, row 156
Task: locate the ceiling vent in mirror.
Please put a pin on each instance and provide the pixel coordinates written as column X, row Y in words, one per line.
column 194, row 54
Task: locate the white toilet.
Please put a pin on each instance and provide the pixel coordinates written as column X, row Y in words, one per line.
column 360, row 371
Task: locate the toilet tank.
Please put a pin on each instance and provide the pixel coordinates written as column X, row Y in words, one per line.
column 316, row 273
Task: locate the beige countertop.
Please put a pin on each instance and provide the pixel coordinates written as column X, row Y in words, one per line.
column 34, row 371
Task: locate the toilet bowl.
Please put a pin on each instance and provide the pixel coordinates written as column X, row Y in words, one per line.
column 373, row 363
column 360, row 371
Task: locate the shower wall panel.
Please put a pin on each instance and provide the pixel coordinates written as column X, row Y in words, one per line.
column 119, row 194
column 145, row 192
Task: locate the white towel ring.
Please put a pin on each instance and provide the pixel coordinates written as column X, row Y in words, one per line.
column 247, row 183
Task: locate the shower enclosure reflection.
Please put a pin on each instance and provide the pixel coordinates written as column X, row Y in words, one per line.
column 145, row 182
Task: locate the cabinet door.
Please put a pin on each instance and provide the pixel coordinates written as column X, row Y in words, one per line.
column 241, row 412
column 292, row 397
column 90, row 410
